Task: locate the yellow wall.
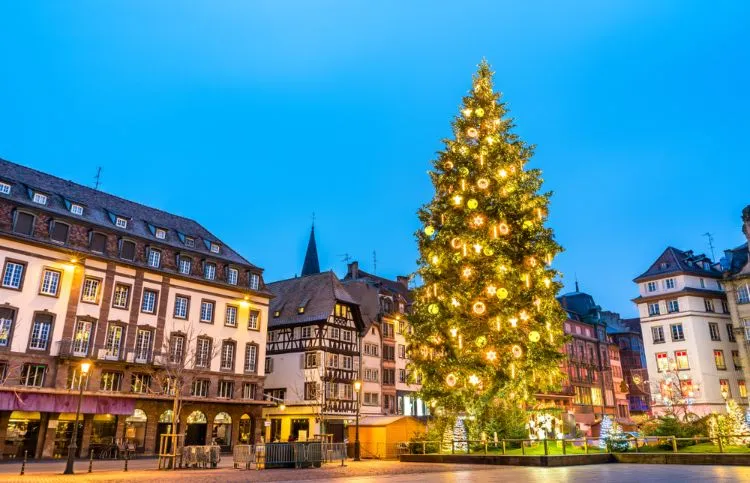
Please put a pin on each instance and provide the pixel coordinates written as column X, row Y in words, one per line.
column 376, row 440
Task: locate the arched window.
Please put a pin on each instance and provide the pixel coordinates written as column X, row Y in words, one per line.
column 197, row 417
column 166, row 416
column 135, row 429
column 222, row 431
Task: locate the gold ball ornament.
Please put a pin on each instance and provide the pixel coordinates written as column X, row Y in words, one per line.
column 472, row 204
column 448, row 165
column 502, row 293
column 528, row 224
column 534, row 336
column 488, row 251
column 483, row 183
column 464, row 171
column 433, row 309
column 479, row 112
column 479, row 308
column 463, row 150
column 451, row 380
column 503, row 228
column 516, row 351
column 435, row 259
column 480, row 341
column 456, row 243
column 472, row 132
column 429, row 230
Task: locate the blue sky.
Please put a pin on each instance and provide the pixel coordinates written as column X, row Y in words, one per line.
column 248, row 116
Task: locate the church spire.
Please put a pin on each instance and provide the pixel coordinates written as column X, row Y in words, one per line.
column 311, row 265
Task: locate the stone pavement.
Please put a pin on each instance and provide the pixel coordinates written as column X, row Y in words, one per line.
column 395, row 472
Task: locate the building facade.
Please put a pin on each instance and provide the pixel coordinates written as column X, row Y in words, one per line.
column 691, row 350
column 626, row 334
column 154, row 301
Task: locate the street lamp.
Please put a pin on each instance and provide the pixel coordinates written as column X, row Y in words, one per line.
column 357, row 388
column 85, row 366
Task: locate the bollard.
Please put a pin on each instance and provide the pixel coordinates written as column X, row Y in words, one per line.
column 546, row 449
column 424, row 448
column 23, row 465
column 586, row 445
column 523, row 448
column 503, row 446
column 485, row 446
column 91, row 460
column 126, row 461
column 563, row 448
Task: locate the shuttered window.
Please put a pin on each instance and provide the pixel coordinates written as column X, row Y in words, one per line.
column 24, row 223
column 98, row 242
column 59, row 232
column 127, row 250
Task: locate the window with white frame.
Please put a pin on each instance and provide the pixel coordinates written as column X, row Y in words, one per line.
column 13, row 274
column 215, row 248
column 40, row 332
column 713, row 331
column 113, row 341
column 32, row 375
column 657, row 333
column 190, row 242
column 230, row 319
column 226, row 390
column 4, row 188
column 254, row 281
column 7, row 316
column 653, row 309
column 332, row 360
column 249, row 390
column 346, row 362
column 371, row 399
column 149, row 301
column 181, row 304
column 143, row 345
column 199, row 388
column 207, row 311
column 121, row 296
column 730, row 333
column 669, row 283
column 154, row 258
column 140, row 383
column 251, row 358
column 673, row 306
column 370, row 375
column 232, row 275
column 82, row 338
column 307, row 332
column 743, row 294
column 160, row 233
column 311, row 360
column 50, row 282
column 709, row 305
column 346, row 335
column 40, row 198
column 209, row 271
column 269, row 365
column 110, row 381
column 335, row 333
column 176, row 348
column 253, row 322
column 76, row 209
column 121, row 222
column 651, row 287
column 227, row 356
column 90, row 290
column 184, row 265
column 202, row 352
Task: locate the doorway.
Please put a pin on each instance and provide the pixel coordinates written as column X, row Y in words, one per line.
column 197, row 426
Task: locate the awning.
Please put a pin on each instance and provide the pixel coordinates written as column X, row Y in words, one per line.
column 65, row 403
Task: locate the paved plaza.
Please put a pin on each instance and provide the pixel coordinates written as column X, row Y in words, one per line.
column 383, row 471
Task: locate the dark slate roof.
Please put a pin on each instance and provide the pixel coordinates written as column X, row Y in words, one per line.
column 673, row 260
column 311, row 265
column 385, row 284
column 737, row 261
column 634, row 324
column 580, row 304
column 366, row 294
column 318, row 293
column 100, row 208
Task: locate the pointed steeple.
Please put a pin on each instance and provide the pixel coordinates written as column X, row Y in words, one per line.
column 311, row 265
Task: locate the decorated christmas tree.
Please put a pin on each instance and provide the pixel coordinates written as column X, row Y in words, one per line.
column 487, row 325
column 611, row 435
column 731, row 427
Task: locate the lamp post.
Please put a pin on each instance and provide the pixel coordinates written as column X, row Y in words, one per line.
column 357, row 388
column 73, row 446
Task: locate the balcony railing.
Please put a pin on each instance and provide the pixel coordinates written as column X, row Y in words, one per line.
column 339, row 406
column 74, row 348
column 340, row 374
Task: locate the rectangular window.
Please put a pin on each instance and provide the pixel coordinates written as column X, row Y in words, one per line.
column 76, row 209
column 681, row 360
column 32, row 375
column 251, row 358
column 227, row 356
column 50, row 282
column 40, row 198
column 230, row 319
column 709, row 305
column 226, row 389
column 673, row 306
column 402, row 376
column 207, row 311
column 269, row 365
column 371, row 350
column 249, row 390
column 40, row 332
column 669, row 283
column 232, row 275
column 389, row 352
column 190, row 242
column 254, row 281
column 371, row 375
column 347, row 362
column 76, row 379
column 148, row 305
column 311, row 360
column 651, row 287
column 215, row 248
column 742, row 387
column 702, row 282
column 58, row 232
column 389, row 377
column 687, row 388
column 332, row 360
column 725, row 390
column 127, row 250
column 7, row 316
column 199, row 388
column 110, row 381
column 114, row 342
column 121, row 298
column 90, row 291
column 736, row 360
column 653, row 309
column 657, row 333
column 743, row 294
column 98, row 243
column 730, row 333
column 713, row 331
column 202, row 352
column 4, row 188
column 184, row 265
column 335, row 333
column 346, row 335
column 13, row 274
column 121, row 222
column 160, row 233
column 181, row 304
column 253, row 322
column 311, row 391
column 371, row 399
column 24, row 223
column 721, row 364
column 662, row 361
column 143, row 346
column 176, row 348
column 154, row 258
column 401, row 351
column 140, row 383
column 724, row 307
column 678, row 333
column 307, row 332
column 82, row 338
column 209, row 271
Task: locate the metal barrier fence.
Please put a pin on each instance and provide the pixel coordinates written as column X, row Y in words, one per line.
column 535, row 447
column 288, row 455
column 201, row 456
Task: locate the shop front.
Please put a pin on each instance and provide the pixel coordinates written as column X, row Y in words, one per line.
column 63, row 433
column 22, row 434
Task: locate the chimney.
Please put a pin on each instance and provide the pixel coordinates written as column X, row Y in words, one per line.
column 403, row 280
column 354, row 270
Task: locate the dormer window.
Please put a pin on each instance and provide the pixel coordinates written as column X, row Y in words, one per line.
column 121, row 222
column 190, row 242
column 254, row 281
column 4, row 188
column 277, row 314
column 215, row 248
column 160, row 233
column 301, row 309
column 232, row 275
column 76, row 209
column 40, row 198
